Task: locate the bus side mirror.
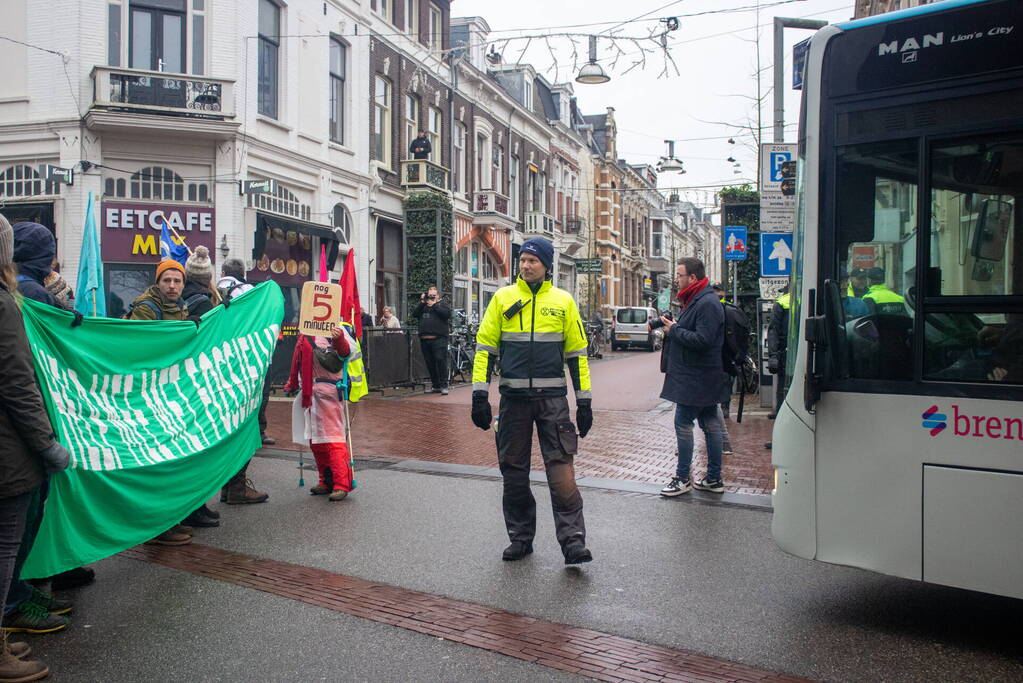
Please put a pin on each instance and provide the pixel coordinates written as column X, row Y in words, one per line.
column 992, row 230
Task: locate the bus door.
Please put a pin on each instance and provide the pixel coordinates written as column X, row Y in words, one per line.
column 921, row 298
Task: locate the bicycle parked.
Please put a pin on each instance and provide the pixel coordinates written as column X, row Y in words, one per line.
column 462, row 352
column 594, row 340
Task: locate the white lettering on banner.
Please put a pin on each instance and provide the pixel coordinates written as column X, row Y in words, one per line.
column 139, row 219
column 227, row 379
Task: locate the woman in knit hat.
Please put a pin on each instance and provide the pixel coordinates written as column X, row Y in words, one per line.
column 28, row 449
column 199, row 294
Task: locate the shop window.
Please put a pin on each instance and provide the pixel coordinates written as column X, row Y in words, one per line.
column 282, row 202
column 23, row 181
column 342, row 220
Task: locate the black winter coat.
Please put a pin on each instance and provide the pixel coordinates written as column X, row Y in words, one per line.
column 34, row 249
column 433, row 319
column 24, row 425
column 192, row 294
column 694, row 373
column 778, row 333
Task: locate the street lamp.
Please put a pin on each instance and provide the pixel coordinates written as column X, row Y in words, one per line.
column 669, row 163
column 592, row 73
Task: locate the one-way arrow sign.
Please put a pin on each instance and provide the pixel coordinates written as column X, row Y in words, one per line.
column 775, row 254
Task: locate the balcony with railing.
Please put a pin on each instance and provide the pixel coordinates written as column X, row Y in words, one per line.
column 158, row 92
column 572, row 236
column 491, row 208
column 539, row 224
column 136, row 97
column 423, row 174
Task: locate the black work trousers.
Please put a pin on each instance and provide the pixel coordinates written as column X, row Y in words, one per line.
column 262, row 405
column 435, row 352
column 558, row 445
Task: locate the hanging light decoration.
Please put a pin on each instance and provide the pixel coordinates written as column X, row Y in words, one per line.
column 592, row 73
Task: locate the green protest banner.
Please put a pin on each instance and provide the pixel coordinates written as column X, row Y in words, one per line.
column 158, row 415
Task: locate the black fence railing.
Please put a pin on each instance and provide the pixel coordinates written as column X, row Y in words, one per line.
column 393, row 357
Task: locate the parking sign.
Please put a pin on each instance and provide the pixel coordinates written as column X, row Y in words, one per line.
column 775, row 254
column 734, row 242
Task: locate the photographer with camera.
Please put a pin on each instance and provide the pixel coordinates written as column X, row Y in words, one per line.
column 433, row 316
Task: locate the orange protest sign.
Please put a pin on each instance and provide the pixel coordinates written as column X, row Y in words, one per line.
column 320, row 312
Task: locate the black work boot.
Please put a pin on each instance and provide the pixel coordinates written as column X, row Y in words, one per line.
column 517, row 550
column 201, row 518
column 576, row 552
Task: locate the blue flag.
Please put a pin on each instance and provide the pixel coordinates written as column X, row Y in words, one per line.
column 89, row 296
column 171, row 249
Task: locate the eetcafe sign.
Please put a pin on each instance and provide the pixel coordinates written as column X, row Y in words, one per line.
column 131, row 231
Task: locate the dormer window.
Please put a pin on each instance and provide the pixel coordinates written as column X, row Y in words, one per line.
column 527, row 93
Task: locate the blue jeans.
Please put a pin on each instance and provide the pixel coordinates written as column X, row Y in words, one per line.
column 712, row 425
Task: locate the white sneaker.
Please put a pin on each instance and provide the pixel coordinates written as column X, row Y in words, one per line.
column 708, row 485
column 676, row 487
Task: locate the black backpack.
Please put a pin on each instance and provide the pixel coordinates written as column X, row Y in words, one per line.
column 735, row 348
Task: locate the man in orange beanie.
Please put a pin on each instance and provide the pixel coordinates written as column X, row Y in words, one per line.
column 163, row 300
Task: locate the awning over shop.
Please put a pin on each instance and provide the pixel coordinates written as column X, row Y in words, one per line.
column 266, row 222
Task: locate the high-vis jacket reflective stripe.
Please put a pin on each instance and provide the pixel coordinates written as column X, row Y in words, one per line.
column 885, row 301
column 783, row 301
column 531, row 337
column 358, row 386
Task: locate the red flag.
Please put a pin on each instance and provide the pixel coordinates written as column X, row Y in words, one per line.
column 324, row 277
column 351, row 311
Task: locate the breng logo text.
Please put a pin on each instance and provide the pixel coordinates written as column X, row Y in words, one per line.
column 977, row 426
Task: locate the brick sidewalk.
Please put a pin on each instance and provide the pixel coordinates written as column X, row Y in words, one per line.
column 632, row 438
column 585, row 652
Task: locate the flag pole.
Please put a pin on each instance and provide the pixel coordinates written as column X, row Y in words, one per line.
column 181, row 240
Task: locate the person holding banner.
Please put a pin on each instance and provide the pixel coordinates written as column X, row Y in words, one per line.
column 163, row 300
column 28, row 450
column 317, row 367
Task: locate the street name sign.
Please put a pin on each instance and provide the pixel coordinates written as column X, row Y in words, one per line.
column 589, row 266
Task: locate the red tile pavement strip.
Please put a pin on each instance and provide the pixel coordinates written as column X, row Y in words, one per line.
column 589, row 653
column 638, row 446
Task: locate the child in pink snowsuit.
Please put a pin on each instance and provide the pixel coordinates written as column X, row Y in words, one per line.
column 317, row 415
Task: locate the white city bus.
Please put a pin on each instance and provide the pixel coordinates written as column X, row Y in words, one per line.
column 899, row 447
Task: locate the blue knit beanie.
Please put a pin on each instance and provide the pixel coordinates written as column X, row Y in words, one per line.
column 542, row 249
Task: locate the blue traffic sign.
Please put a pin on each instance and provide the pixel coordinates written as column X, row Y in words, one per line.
column 775, row 254
column 734, row 242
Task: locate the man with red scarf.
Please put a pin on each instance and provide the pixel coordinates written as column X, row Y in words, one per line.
column 692, row 379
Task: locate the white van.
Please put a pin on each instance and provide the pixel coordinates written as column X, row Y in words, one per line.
column 631, row 327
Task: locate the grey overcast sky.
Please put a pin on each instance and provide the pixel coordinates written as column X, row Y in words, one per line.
column 716, row 55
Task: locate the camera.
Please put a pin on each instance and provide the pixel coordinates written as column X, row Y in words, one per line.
column 658, row 323
column 426, row 296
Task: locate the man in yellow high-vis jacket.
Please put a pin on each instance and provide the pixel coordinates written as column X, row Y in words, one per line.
column 533, row 330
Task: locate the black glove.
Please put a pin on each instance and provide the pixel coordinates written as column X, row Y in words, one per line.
column 583, row 416
column 78, row 319
column 481, row 414
column 55, row 458
column 773, row 366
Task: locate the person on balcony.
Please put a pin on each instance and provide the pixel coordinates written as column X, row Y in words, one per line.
column 420, row 148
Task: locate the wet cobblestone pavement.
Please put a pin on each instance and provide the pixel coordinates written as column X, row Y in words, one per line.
column 632, row 437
